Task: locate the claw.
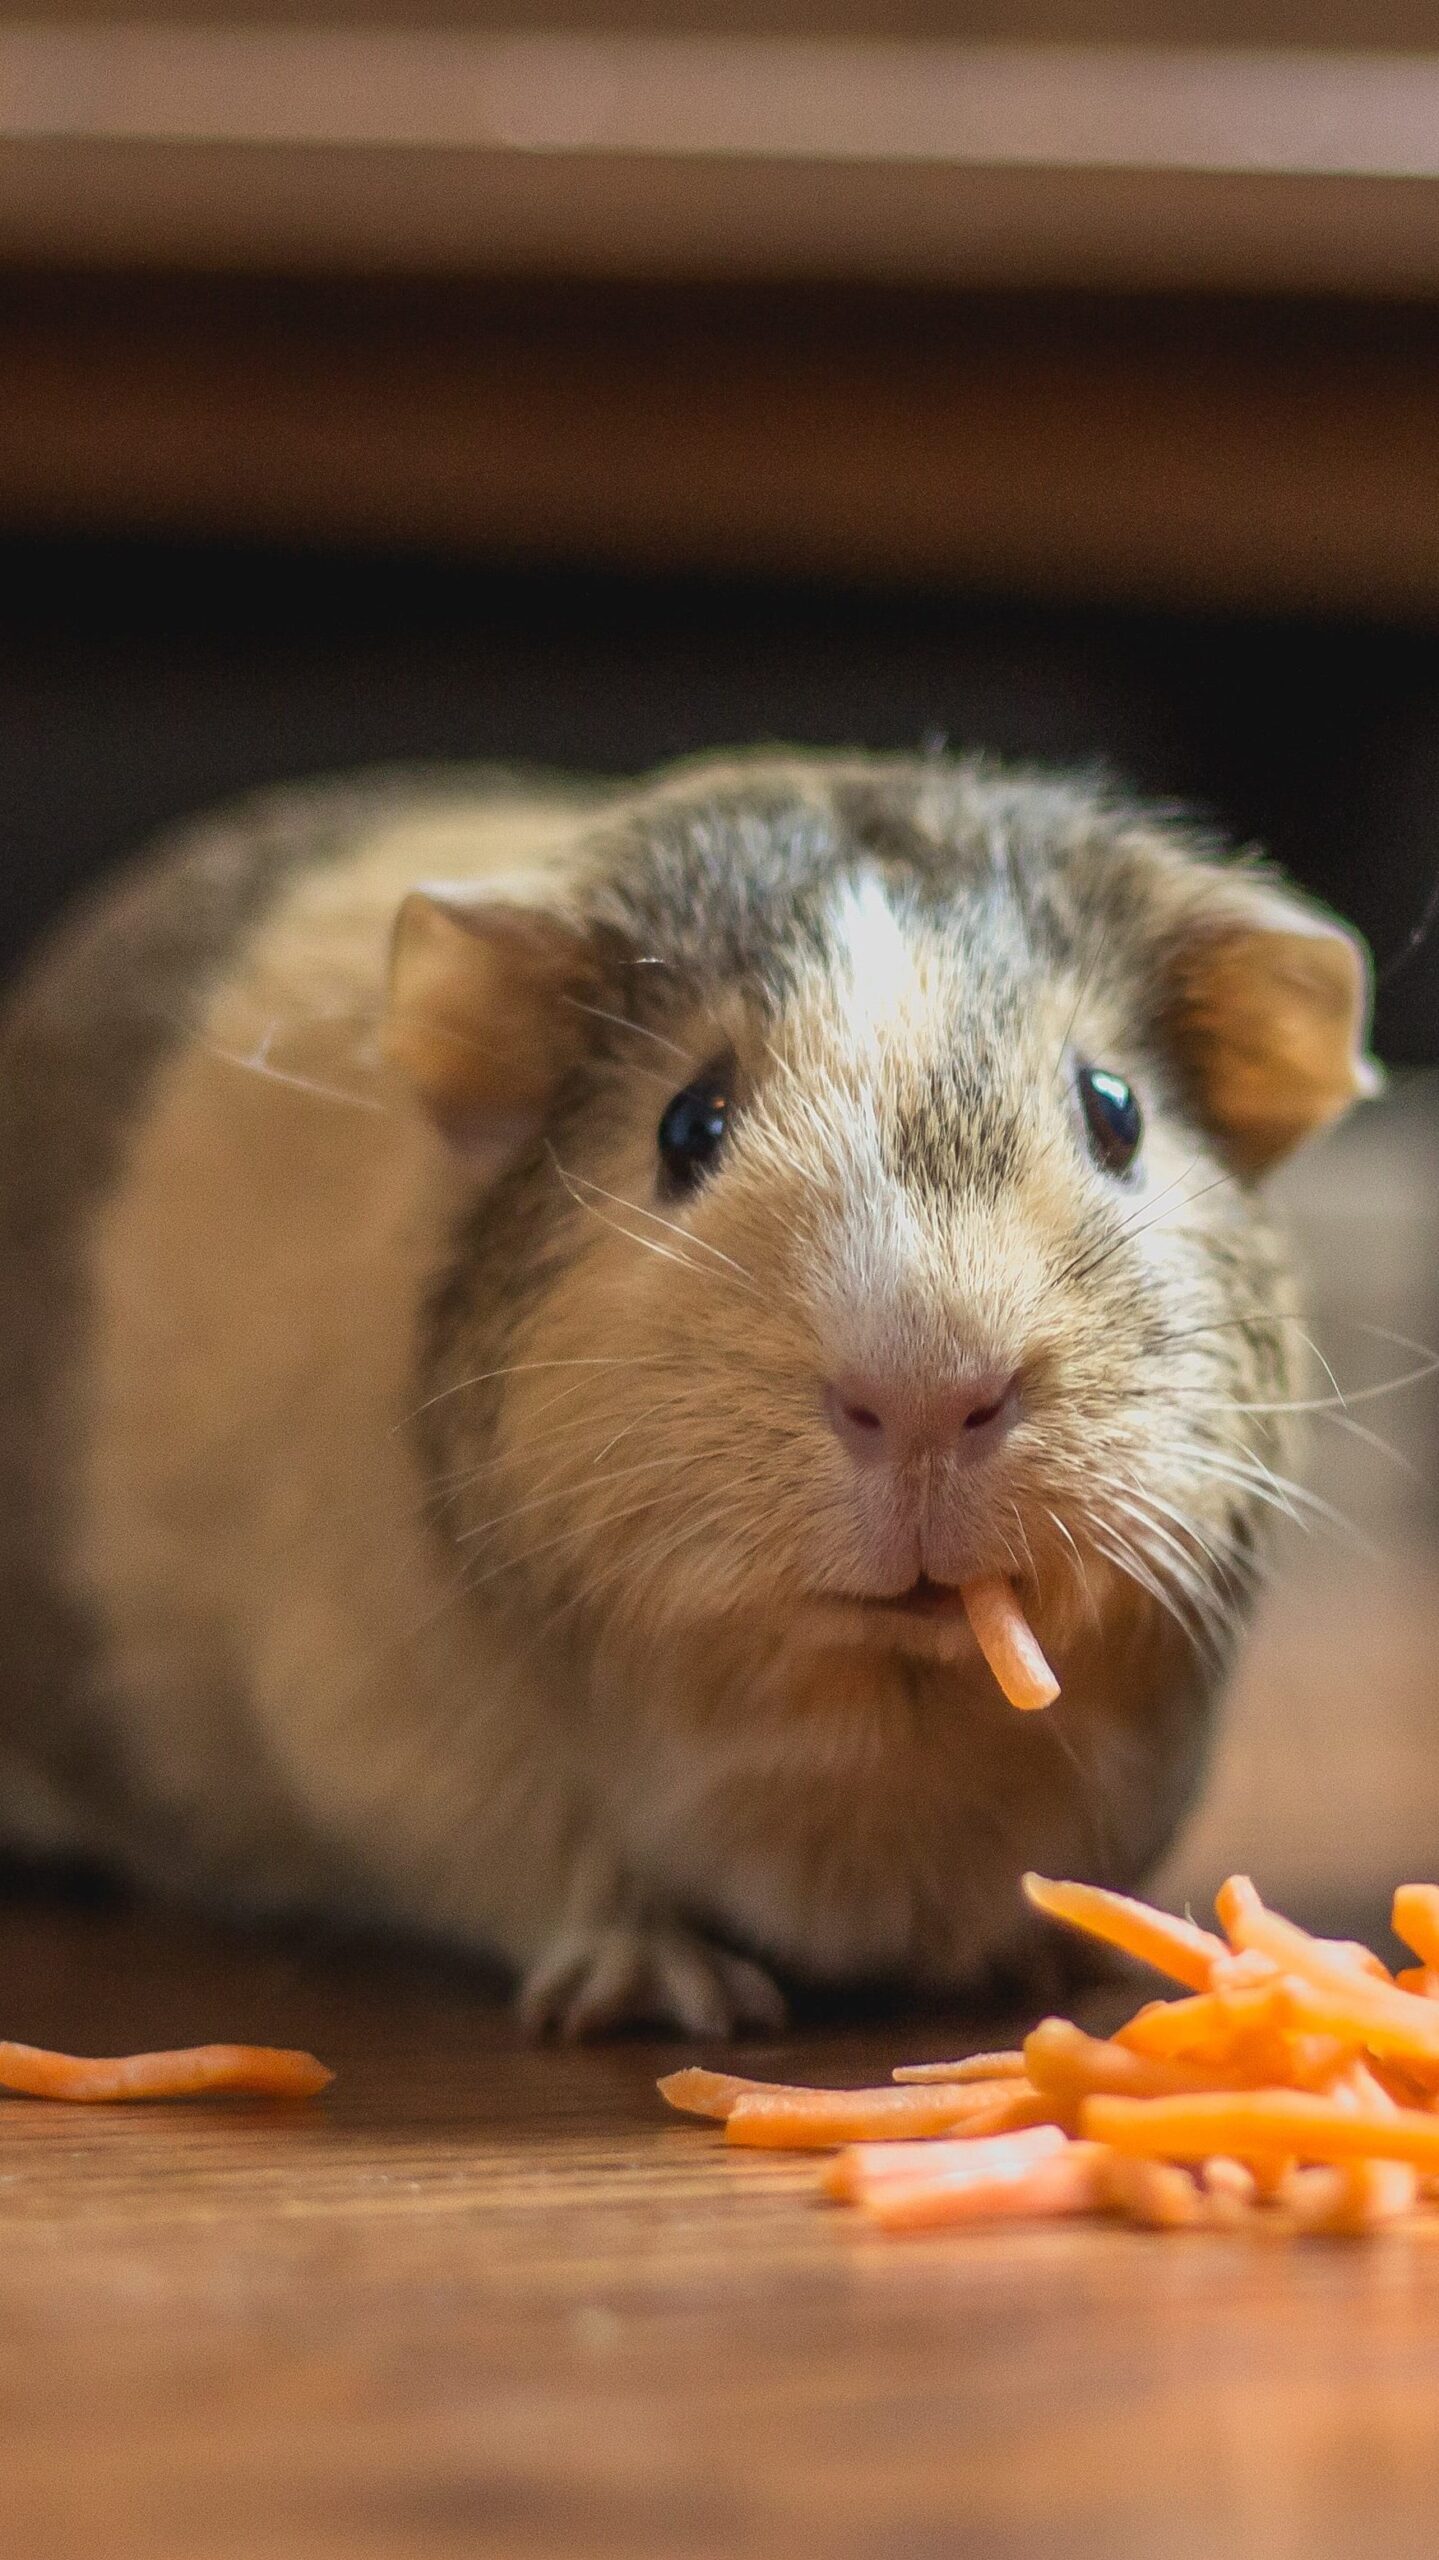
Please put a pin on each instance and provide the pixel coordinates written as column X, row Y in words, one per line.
column 622, row 1974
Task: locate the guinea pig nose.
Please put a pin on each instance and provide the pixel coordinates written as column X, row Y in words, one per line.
column 884, row 1421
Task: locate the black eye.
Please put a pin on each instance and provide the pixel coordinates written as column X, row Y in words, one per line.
column 691, row 1133
column 1112, row 1116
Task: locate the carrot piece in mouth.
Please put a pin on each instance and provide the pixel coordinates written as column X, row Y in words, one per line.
column 1007, row 1641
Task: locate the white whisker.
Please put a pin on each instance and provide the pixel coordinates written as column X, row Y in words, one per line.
column 517, row 1369
column 559, row 1493
column 641, row 1030
column 575, row 1183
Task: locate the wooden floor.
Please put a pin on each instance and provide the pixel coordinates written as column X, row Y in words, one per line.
column 489, row 2300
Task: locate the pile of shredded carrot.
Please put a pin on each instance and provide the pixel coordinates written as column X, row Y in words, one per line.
column 1295, row 2089
column 200, row 2071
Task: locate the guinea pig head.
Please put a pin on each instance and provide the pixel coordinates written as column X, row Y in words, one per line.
column 865, row 1201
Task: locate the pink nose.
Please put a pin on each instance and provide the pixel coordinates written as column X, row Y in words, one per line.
column 881, row 1422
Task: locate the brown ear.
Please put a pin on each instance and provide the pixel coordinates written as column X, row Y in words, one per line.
column 1270, row 1004
column 477, row 1017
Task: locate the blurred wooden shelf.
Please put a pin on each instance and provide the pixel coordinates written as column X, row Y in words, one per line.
column 719, row 154
column 1070, row 314
column 1168, row 452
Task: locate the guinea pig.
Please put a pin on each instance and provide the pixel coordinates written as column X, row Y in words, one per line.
column 523, row 1301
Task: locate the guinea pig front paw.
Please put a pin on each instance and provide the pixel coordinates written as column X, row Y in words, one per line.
column 631, row 1974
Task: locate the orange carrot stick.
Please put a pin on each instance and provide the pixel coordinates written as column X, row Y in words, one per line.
column 199, row 2071
column 813, row 2119
column 1007, row 1641
column 719, row 2093
column 709, row 2093
column 971, row 2066
column 1376, row 2192
column 1416, row 1921
column 1375, row 2013
column 1153, row 2192
column 853, row 2174
column 1023, row 2191
column 1363, row 1960
column 1177, row 1947
column 1066, row 2063
column 1367, row 2193
column 1391, row 2024
column 1246, row 1972
column 1230, row 2193
column 1260, row 2122
column 1204, row 2029
column 1252, row 1928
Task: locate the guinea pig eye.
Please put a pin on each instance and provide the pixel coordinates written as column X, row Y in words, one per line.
column 691, row 1133
column 1112, row 1117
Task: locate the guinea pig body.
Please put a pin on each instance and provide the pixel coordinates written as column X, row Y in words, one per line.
column 506, row 1377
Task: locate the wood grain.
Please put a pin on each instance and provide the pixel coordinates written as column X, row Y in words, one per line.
column 1363, row 25
column 486, row 2300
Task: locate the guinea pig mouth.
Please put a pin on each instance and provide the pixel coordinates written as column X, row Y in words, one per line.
column 924, row 1598
column 929, row 1619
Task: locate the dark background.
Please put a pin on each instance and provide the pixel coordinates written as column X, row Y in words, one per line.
column 140, row 679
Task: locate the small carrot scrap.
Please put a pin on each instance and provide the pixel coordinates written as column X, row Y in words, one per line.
column 200, row 2071
column 1231, row 2193
column 1023, row 2190
column 1007, row 1641
column 710, row 2093
column 1177, row 1947
column 1153, row 2192
column 1392, row 2023
column 1416, row 1921
column 853, row 2174
column 1246, row 1972
column 1066, row 2063
column 1255, row 1930
column 1203, row 2029
column 1295, row 2091
column 972, row 2066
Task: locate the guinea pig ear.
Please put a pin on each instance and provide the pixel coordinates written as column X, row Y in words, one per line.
column 1269, row 1007
column 476, row 1016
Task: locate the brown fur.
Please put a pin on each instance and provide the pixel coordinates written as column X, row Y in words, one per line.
column 427, row 1519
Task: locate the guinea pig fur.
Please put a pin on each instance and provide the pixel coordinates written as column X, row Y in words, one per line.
column 519, row 1298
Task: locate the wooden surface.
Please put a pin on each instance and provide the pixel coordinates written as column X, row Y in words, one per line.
column 484, row 2300
column 1396, row 26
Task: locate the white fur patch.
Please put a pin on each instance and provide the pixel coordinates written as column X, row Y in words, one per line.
column 870, row 1255
column 872, row 953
